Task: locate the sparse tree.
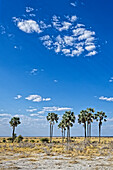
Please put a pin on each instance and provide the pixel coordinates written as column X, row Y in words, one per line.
column 90, row 118
column 82, row 118
column 68, row 119
column 52, row 118
column 63, row 128
column 15, row 121
column 100, row 117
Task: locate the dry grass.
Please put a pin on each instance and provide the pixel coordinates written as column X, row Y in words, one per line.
column 78, row 147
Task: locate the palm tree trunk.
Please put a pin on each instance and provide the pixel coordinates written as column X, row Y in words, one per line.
column 62, row 137
column 50, row 132
column 99, row 131
column 85, row 128
column 13, row 134
column 90, row 130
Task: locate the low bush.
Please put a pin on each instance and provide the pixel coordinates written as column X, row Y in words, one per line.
column 32, row 141
column 19, row 139
column 26, row 140
column 44, row 140
column 3, row 140
column 9, row 139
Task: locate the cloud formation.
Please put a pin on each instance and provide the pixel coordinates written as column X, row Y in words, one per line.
column 53, row 109
column 37, row 98
column 110, row 99
column 18, row 97
column 65, row 35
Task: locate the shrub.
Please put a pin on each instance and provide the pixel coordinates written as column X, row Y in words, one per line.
column 26, row 140
column 19, row 139
column 44, row 140
column 32, row 141
column 3, row 140
column 9, row 139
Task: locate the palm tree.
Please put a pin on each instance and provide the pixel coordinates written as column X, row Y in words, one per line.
column 15, row 121
column 90, row 117
column 69, row 119
column 82, row 118
column 100, row 116
column 63, row 128
column 52, row 118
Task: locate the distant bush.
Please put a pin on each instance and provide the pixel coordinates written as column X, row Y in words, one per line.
column 19, row 139
column 3, row 140
column 37, row 141
column 32, row 141
column 9, row 139
column 26, row 140
column 44, row 140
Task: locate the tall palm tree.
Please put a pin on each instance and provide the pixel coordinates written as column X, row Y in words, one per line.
column 15, row 121
column 90, row 117
column 100, row 116
column 52, row 118
column 69, row 119
column 82, row 118
column 63, row 128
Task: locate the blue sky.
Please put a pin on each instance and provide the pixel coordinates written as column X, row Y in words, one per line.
column 55, row 56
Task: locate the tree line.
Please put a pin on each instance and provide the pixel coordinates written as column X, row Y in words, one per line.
column 85, row 117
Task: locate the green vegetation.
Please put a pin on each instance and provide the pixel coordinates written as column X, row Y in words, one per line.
column 15, row 121
column 52, row 118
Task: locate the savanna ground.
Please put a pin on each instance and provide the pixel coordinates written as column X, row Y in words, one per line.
column 32, row 153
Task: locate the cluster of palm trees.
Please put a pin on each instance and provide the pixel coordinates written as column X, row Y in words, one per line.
column 86, row 117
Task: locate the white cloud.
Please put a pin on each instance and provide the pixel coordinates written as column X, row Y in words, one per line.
column 55, row 81
column 2, row 29
column 31, row 110
column 46, row 99
column 5, row 115
column 111, row 79
column 29, row 9
column 86, row 34
column 37, row 98
column 18, row 97
column 65, row 36
column 34, row 71
column 53, row 108
column 106, row 98
column 34, row 98
column 74, row 4
column 73, row 18
column 28, row 26
column 92, row 53
column 90, row 47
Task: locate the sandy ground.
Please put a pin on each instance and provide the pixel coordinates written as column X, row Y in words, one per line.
column 41, row 161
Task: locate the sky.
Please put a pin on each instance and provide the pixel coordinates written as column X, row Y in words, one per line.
column 55, row 56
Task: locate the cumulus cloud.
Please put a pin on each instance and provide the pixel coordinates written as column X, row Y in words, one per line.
column 65, row 35
column 111, row 79
column 74, row 4
column 31, row 110
column 29, row 9
column 55, row 81
column 106, row 98
column 5, row 115
column 28, row 26
column 53, row 109
column 18, row 97
column 34, row 71
column 37, row 98
column 92, row 53
column 76, row 39
column 2, row 29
